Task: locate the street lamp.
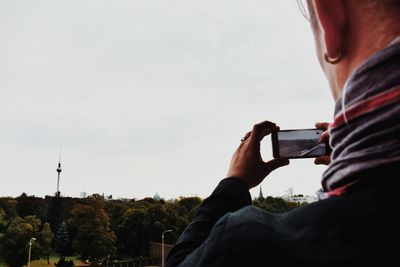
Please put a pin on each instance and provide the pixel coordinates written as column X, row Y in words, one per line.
column 162, row 246
column 30, row 249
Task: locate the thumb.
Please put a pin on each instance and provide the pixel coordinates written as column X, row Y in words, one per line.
column 323, row 160
column 275, row 164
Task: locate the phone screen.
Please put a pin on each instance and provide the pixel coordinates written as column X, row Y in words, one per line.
column 298, row 144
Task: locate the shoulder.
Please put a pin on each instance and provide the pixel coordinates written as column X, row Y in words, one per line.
column 256, row 217
column 252, row 232
column 337, row 229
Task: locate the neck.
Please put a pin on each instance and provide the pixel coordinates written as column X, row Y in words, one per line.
column 361, row 44
column 364, row 134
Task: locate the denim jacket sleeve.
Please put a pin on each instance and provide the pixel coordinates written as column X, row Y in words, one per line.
column 230, row 195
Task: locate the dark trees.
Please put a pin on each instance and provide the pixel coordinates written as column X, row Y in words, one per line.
column 94, row 239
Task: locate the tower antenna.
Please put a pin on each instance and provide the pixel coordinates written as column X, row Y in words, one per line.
column 59, row 170
column 59, row 155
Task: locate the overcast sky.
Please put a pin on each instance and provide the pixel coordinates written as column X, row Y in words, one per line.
column 151, row 96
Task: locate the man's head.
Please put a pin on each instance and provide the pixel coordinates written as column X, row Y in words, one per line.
column 348, row 31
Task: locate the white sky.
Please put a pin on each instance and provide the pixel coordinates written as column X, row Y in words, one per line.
column 151, row 96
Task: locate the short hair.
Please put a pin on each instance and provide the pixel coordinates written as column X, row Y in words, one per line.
column 384, row 8
column 380, row 8
column 390, row 6
column 386, row 4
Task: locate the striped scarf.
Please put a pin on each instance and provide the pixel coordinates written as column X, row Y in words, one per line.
column 365, row 133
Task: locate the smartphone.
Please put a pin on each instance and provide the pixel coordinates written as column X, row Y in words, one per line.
column 301, row 143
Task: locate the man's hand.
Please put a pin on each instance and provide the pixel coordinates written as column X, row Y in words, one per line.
column 323, row 160
column 247, row 163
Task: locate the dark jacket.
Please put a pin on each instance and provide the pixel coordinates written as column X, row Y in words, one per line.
column 359, row 227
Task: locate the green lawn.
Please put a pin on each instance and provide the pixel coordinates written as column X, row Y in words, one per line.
column 3, row 263
column 53, row 260
column 43, row 263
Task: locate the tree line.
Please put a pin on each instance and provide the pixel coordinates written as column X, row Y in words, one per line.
column 96, row 228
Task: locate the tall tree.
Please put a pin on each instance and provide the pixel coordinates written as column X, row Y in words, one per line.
column 146, row 221
column 31, row 205
column 14, row 242
column 45, row 239
column 62, row 241
column 3, row 222
column 94, row 239
column 55, row 212
column 275, row 204
column 8, row 205
column 133, row 233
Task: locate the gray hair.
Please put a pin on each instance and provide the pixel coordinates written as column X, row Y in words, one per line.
column 383, row 9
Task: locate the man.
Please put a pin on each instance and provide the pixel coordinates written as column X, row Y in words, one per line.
column 355, row 221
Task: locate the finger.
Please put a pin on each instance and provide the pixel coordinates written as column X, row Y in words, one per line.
column 262, row 129
column 324, row 138
column 323, row 160
column 322, row 125
column 275, row 164
column 245, row 137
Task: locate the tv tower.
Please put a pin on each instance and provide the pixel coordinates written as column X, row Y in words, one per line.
column 59, row 170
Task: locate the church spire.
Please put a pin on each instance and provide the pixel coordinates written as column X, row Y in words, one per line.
column 261, row 193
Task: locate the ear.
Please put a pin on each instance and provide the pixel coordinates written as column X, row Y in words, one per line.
column 332, row 18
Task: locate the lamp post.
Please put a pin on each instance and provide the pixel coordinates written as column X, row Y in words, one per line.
column 30, row 249
column 162, row 246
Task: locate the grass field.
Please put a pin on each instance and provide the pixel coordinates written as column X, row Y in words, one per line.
column 53, row 261
column 3, row 263
column 43, row 263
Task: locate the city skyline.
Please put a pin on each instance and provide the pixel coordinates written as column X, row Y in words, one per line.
column 151, row 96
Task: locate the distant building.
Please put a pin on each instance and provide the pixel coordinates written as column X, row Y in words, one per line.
column 157, row 197
column 289, row 196
column 83, row 195
column 289, row 191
